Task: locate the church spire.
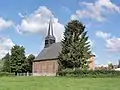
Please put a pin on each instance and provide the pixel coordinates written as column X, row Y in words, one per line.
column 50, row 29
column 49, row 39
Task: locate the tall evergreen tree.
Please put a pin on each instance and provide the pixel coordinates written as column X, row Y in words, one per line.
column 6, row 63
column 17, row 60
column 75, row 46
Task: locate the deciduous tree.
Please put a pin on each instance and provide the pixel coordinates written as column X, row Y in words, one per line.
column 30, row 59
column 6, row 63
column 17, row 60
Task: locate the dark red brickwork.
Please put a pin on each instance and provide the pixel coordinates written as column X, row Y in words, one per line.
column 48, row 66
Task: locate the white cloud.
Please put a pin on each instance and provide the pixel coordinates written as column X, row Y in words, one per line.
column 93, row 13
column 95, row 10
column 5, row 46
column 5, row 24
column 37, row 22
column 112, row 43
column 103, row 35
column 21, row 15
column 108, row 5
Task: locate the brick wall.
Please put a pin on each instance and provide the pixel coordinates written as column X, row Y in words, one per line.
column 92, row 62
column 48, row 67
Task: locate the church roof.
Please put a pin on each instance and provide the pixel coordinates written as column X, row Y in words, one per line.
column 51, row 52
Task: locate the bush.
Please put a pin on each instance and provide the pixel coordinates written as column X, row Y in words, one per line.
column 6, row 74
column 89, row 73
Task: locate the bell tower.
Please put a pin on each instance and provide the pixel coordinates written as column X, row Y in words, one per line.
column 49, row 39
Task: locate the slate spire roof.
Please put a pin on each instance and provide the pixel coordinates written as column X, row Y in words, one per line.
column 50, row 39
column 50, row 29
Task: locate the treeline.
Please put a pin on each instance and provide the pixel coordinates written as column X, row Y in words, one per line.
column 16, row 61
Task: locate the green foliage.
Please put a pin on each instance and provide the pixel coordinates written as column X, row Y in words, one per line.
column 6, row 65
column 75, row 46
column 89, row 73
column 6, row 74
column 1, row 65
column 110, row 66
column 17, row 60
column 29, row 59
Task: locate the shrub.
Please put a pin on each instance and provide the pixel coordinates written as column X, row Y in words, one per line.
column 6, row 74
column 89, row 73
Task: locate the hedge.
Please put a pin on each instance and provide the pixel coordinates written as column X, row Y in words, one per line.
column 6, row 74
column 89, row 73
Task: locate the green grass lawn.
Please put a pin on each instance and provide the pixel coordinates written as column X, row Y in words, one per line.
column 58, row 83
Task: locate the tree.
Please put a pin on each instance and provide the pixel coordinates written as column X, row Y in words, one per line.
column 75, row 46
column 1, row 65
column 17, row 60
column 30, row 59
column 6, row 64
column 110, row 66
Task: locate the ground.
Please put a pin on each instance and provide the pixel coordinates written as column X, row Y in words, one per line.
column 58, row 83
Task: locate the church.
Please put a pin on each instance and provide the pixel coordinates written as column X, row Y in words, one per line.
column 46, row 63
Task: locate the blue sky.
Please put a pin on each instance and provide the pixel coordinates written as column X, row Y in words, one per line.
column 25, row 22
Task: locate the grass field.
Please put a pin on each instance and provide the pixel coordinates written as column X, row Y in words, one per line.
column 58, row 83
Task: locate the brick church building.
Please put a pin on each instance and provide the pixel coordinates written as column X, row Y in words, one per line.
column 46, row 63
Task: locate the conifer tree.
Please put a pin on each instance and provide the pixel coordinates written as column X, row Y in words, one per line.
column 75, row 46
